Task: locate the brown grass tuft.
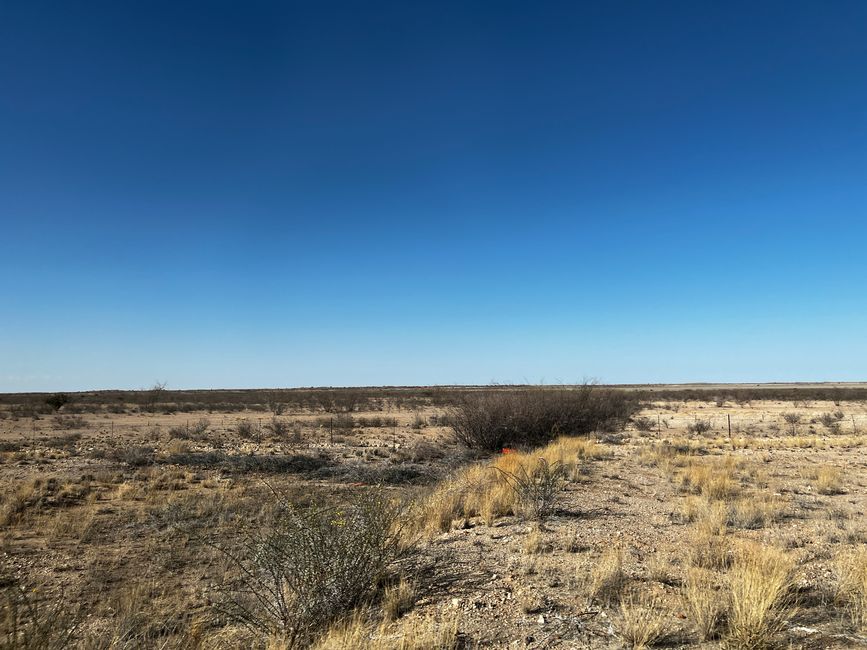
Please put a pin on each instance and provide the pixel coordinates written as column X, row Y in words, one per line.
column 642, row 622
column 760, row 601
column 702, row 601
column 607, row 578
column 851, row 571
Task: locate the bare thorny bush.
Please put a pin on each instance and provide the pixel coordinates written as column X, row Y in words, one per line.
column 306, row 569
column 491, row 420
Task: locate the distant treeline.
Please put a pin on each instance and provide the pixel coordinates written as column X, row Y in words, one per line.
column 348, row 400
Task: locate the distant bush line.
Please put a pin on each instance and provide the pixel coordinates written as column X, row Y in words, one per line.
column 351, row 400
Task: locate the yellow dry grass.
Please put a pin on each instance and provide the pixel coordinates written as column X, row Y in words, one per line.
column 398, row 600
column 702, row 602
column 607, row 577
column 759, row 596
column 643, row 623
column 715, row 480
column 851, row 571
column 407, row 634
column 756, row 511
column 708, row 543
column 483, row 490
column 828, row 479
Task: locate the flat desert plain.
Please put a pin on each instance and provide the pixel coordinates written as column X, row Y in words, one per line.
column 701, row 520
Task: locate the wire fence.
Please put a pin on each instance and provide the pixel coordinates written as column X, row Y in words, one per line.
column 760, row 422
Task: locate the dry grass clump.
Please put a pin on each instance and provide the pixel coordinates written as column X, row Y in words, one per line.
column 713, row 480
column 643, row 623
column 755, row 511
column 410, row 634
column 672, row 454
column 851, row 571
column 567, row 450
column 607, row 577
column 829, row 480
column 398, row 600
column 759, row 596
column 442, row 506
column 704, row 606
column 709, row 545
column 511, row 483
column 38, row 492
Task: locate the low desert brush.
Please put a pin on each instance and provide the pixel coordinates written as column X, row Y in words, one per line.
column 305, row 569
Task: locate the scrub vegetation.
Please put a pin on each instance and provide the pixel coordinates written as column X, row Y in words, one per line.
column 424, row 518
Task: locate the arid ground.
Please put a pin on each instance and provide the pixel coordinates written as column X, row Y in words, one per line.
column 711, row 517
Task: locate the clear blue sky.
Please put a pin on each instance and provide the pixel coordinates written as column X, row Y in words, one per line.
column 240, row 194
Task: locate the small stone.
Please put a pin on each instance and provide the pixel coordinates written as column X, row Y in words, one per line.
column 541, row 619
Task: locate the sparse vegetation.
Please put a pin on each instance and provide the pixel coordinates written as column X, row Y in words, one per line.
column 645, row 529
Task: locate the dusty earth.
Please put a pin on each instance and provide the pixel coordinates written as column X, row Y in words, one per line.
column 103, row 512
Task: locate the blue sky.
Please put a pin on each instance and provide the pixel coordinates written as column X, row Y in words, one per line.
column 231, row 194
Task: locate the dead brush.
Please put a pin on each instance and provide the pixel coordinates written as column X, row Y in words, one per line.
column 31, row 619
column 850, row 569
column 760, row 598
